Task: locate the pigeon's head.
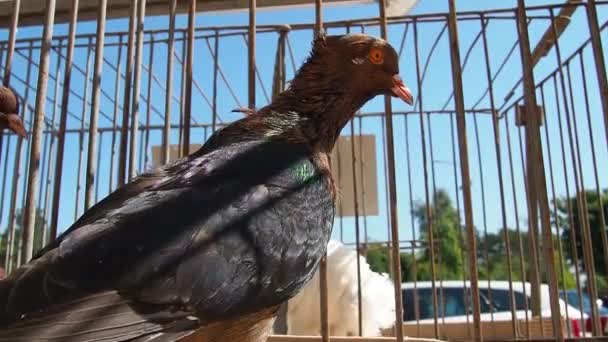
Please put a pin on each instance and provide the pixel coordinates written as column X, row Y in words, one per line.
column 14, row 123
column 365, row 66
column 9, row 104
column 9, row 109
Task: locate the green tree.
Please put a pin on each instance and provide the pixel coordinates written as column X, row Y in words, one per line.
column 593, row 213
column 495, row 266
column 448, row 249
column 571, row 227
column 38, row 232
column 379, row 261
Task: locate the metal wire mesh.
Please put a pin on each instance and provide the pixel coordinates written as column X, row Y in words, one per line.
column 527, row 191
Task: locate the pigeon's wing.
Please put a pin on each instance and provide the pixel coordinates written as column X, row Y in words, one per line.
column 140, row 233
column 105, row 316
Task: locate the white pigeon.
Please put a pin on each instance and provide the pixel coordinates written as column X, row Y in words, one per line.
column 378, row 304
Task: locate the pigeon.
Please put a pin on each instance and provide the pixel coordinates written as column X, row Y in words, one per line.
column 343, row 298
column 211, row 245
column 9, row 112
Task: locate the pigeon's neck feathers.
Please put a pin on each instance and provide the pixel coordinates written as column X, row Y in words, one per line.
column 319, row 101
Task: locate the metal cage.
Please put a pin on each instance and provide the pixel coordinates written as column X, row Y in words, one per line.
column 519, row 146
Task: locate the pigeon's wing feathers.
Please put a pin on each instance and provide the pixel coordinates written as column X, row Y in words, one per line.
column 164, row 239
column 106, row 317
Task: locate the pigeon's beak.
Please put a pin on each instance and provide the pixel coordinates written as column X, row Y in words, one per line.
column 17, row 127
column 401, row 90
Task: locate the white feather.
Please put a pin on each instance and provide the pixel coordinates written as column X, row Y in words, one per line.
column 378, row 304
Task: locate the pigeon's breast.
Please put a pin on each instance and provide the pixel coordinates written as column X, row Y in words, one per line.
column 283, row 230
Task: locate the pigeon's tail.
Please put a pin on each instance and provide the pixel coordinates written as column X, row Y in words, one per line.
column 105, row 316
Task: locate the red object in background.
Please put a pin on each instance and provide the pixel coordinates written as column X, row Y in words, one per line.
column 603, row 322
column 576, row 329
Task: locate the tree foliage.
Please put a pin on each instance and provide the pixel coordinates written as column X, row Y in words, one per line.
column 450, row 256
column 566, row 221
column 448, row 249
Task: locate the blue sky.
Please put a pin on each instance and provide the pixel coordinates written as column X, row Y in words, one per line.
column 435, row 90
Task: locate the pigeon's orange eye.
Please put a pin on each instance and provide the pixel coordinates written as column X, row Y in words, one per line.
column 376, row 56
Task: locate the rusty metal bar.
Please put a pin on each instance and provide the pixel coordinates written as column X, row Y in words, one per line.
column 363, row 193
column 582, row 182
column 598, row 55
column 149, row 106
column 216, row 48
column 30, row 202
column 498, row 14
column 81, row 133
column 251, row 53
column 573, row 238
column 4, row 177
column 318, row 16
column 428, row 59
column 49, row 166
column 291, row 55
column 8, row 68
column 484, row 218
column 324, row 305
column 258, row 76
column 98, row 169
column 222, row 75
column 2, row 50
column 169, row 88
column 140, row 155
column 428, row 211
column 387, row 198
column 182, row 105
column 555, row 209
column 15, row 184
column 550, row 36
column 340, row 204
column 24, row 189
column 535, row 270
column 594, row 159
column 460, row 227
column 124, row 128
column 43, row 174
column 279, row 75
column 10, row 254
column 517, row 224
column 189, row 79
column 10, row 250
column 503, row 206
column 434, row 182
column 135, row 105
column 89, row 195
column 580, row 199
column 583, row 214
column 9, row 56
column 530, row 173
column 115, row 115
column 464, row 165
column 75, row 94
column 537, row 187
column 390, row 150
column 357, row 230
column 413, row 225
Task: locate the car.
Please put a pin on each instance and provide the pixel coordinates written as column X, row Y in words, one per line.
column 494, row 304
column 572, row 298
